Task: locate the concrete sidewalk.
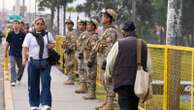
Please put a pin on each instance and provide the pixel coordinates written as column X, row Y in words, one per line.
column 64, row 97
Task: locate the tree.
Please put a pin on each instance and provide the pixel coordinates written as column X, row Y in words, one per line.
column 123, row 8
column 188, row 22
column 54, row 5
column 51, row 5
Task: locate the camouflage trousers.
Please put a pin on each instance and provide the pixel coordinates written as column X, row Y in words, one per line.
column 91, row 77
column 70, row 66
column 81, row 71
column 107, row 86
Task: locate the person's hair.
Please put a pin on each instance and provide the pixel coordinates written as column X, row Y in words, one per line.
column 128, row 26
column 16, row 21
column 39, row 18
column 22, row 23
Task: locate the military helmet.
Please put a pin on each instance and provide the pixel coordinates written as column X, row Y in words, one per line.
column 93, row 21
column 81, row 21
column 110, row 12
column 69, row 21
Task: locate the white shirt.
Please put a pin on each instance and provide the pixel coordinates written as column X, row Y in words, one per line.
column 31, row 43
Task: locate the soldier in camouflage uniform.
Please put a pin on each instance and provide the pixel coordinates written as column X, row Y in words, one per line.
column 69, row 52
column 107, row 39
column 80, row 57
column 90, row 59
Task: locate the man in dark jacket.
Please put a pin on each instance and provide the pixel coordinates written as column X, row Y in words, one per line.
column 122, row 67
column 14, row 42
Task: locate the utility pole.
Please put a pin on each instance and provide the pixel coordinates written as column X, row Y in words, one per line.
column 35, row 9
column 64, row 15
column 58, row 15
column 23, row 8
column 134, row 10
column 3, row 7
column 173, row 32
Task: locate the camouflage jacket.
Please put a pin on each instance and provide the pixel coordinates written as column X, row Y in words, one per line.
column 82, row 41
column 89, row 45
column 69, row 43
column 106, row 40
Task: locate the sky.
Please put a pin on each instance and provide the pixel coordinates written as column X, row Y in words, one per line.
column 30, row 4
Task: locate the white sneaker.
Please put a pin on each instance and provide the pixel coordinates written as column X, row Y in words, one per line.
column 13, row 84
column 18, row 83
column 46, row 107
column 34, row 108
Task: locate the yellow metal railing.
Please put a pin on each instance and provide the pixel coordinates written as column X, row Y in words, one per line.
column 161, row 60
column 59, row 41
column 186, row 70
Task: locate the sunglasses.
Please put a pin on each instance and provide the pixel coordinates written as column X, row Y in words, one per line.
column 41, row 24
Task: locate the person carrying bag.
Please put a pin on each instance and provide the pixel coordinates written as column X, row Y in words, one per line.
column 142, row 87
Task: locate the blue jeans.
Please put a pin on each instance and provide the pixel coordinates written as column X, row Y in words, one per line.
column 13, row 62
column 39, row 69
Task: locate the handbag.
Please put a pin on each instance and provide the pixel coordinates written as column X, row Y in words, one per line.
column 142, row 87
column 54, row 57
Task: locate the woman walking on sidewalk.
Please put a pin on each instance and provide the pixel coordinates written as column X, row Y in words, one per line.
column 37, row 44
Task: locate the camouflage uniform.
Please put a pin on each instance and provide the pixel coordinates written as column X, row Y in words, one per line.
column 110, row 35
column 108, row 38
column 81, row 65
column 69, row 50
column 91, row 61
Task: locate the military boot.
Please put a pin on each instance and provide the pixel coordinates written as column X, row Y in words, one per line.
column 108, row 105
column 82, row 89
column 90, row 95
column 69, row 82
column 102, row 105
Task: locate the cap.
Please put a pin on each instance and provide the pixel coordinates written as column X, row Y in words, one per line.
column 110, row 12
column 128, row 26
column 69, row 21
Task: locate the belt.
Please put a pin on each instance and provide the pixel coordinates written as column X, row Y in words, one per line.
column 32, row 59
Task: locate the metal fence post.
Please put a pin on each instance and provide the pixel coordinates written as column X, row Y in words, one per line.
column 192, row 80
column 165, row 90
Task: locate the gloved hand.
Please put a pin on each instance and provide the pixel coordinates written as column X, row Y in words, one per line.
column 68, row 50
column 107, row 79
column 103, row 65
column 80, row 56
column 90, row 64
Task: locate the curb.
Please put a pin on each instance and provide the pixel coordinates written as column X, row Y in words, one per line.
column 8, row 96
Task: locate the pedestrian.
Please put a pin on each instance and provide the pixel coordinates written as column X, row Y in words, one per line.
column 14, row 42
column 1, row 36
column 37, row 43
column 106, row 41
column 121, row 67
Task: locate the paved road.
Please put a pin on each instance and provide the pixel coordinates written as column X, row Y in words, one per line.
column 1, row 81
column 64, row 97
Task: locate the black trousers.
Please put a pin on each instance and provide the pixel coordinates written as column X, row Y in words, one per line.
column 127, row 98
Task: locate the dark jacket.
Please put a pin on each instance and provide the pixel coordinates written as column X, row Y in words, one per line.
column 125, row 67
column 15, row 42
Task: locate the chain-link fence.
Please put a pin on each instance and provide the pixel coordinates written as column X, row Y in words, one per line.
column 172, row 70
column 172, row 75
